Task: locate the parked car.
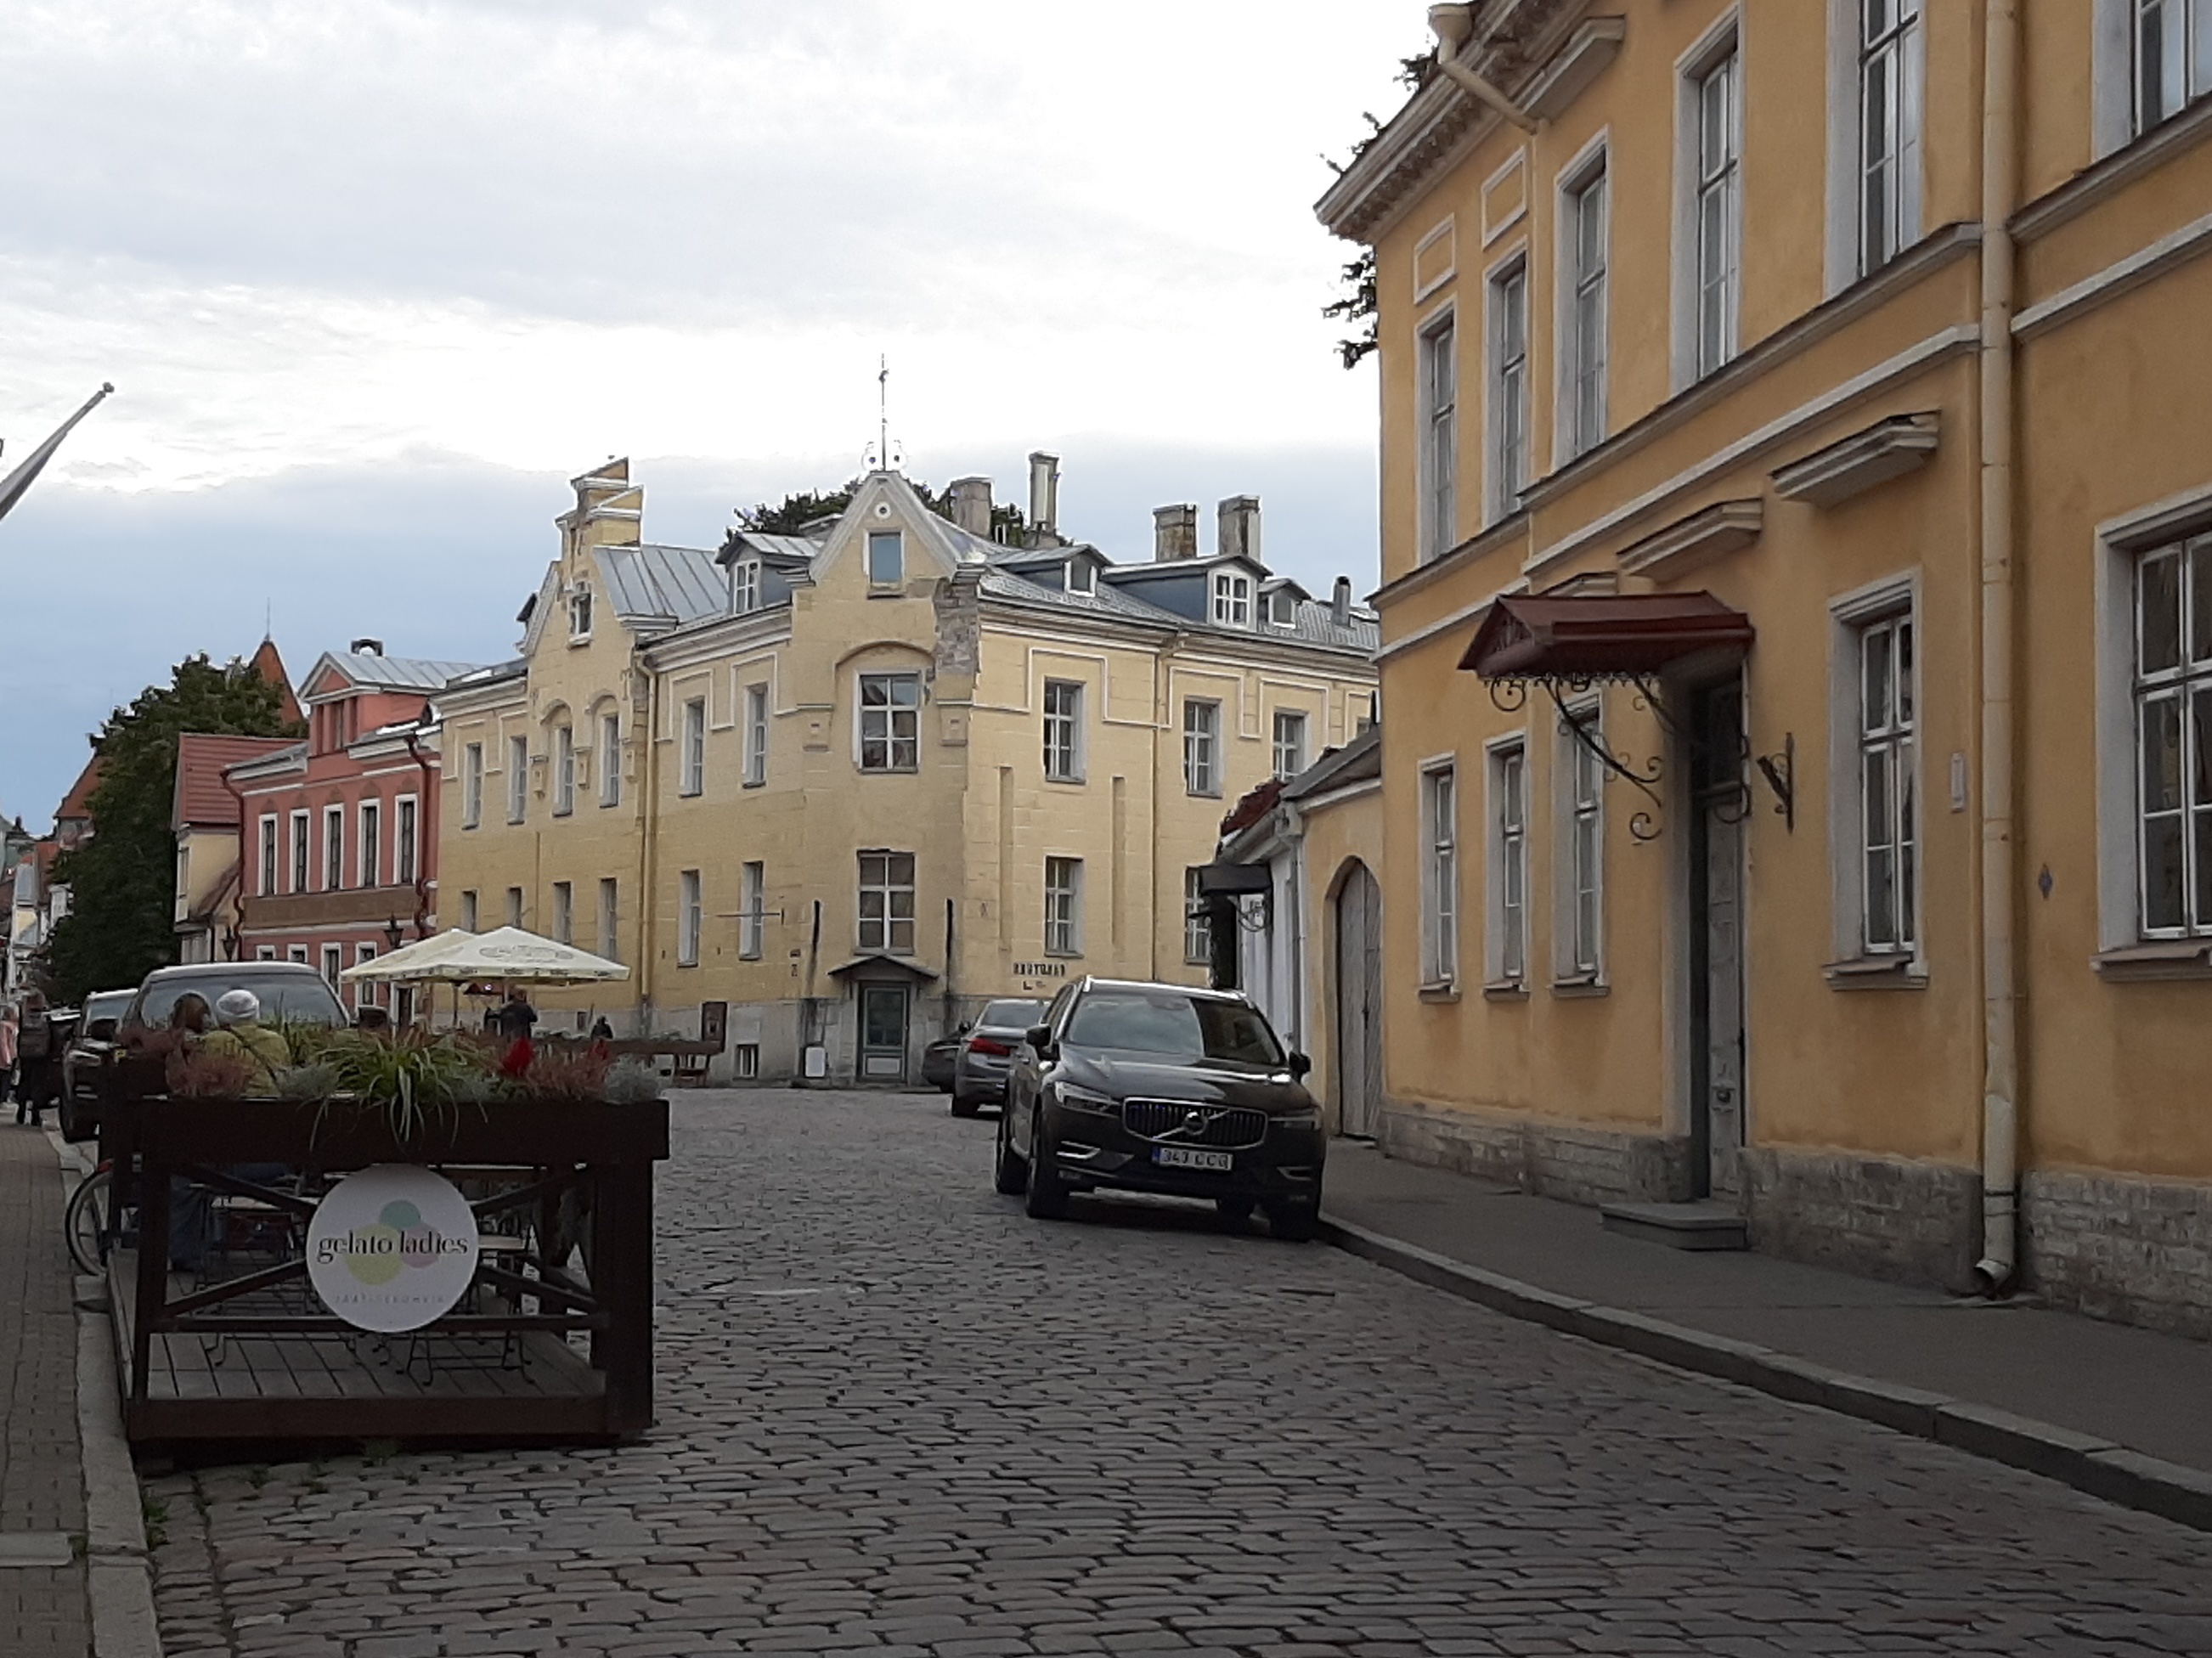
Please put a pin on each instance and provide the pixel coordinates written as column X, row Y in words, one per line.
column 1162, row 1087
column 986, row 1052
column 80, row 1061
column 291, row 992
column 937, row 1060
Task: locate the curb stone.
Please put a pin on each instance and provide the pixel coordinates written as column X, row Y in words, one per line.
column 119, row 1569
column 2089, row 1464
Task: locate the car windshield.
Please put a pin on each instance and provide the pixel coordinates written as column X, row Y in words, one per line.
column 1012, row 1014
column 108, row 1005
column 290, row 997
column 1161, row 1022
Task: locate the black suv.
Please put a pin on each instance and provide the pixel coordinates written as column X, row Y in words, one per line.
column 1162, row 1087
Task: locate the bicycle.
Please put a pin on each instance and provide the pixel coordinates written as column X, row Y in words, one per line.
column 89, row 1222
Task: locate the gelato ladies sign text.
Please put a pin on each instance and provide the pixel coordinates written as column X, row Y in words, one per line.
column 391, row 1247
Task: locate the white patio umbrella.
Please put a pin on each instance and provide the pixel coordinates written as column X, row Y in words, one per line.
column 506, row 955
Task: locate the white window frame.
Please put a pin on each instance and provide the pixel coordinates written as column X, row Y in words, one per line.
column 611, row 918
column 1063, row 730
column 1081, row 576
column 334, row 846
column 564, row 769
column 691, row 766
column 468, row 917
column 1437, row 359
column 1505, row 951
column 272, row 860
column 369, row 814
column 1063, row 906
column 518, row 779
column 1583, row 324
column 1440, row 873
column 1202, row 747
column 580, row 615
column 518, row 906
column 366, row 995
column 1197, row 923
column 472, row 778
column 1702, row 261
column 1232, row 599
column 1289, row 734
column 752, row 910
column 406, row 840
column 299, row 869
column 564, row 913
column 333, row 964
column 894, row 541
column 1891, row 821
column 756, row 735
column 745, row 1062
column 296, row 953
column 609, row 759
column 897, row 726
column 1510, row 462
column 2187, row 687
column 1283, row 608
column 1578, row 813
column 690, row 917
column 1877, row 604
column 2182, row 74
column 264, row 952
column 1899, row 61
column 745, row 587
column 887, row 932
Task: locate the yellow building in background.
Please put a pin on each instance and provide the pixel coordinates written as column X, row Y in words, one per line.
column 852, row 784
column 1796, row 496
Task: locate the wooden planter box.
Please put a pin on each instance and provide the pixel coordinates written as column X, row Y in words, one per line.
column 253, row 1356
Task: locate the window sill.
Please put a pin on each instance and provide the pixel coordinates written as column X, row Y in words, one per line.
column 1444, row 991
column 887, row 589
column 1505, row 990
column 1876, row 972
column 579, row 639
column 1581, row 985
column 2162, row 958
column 889, row 771
column 1066, row 782
column 754, row 783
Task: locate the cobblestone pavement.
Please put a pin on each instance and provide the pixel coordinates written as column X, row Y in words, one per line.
column 42, row 1608
column 896, row 1417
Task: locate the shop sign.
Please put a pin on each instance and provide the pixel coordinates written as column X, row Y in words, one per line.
column 391, row 1247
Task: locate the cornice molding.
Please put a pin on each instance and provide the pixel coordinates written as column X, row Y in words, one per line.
column 1851, row 466
column 2101, row 180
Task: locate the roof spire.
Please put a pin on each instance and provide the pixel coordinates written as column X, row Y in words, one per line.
column 882, row 456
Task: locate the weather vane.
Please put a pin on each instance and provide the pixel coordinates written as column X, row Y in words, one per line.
column 882, row 454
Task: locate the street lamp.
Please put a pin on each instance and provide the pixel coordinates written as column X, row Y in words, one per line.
column 391, row 933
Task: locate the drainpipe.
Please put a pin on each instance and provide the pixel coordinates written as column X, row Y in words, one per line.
column 421, row 841
column 1452, row 25
column 648, row 847
column 2000, row 1262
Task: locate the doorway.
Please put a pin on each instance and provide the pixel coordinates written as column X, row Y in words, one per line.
column 883, row 1033
column 1358, row 1003
column 1720, row 801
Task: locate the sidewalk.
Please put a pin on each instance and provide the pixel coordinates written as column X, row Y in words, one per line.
column 43, row 1607
column 2118, row 1411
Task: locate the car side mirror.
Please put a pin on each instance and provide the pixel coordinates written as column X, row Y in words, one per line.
column 1039, row 1037
column 1301, row 1065
column 101, row 1030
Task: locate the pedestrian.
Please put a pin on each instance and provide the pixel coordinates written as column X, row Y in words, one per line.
column 34, row 1058
column 242, row 1036
column 515, row 1017
column 601, row 1030
column 7, row 1051
column 191, row 1015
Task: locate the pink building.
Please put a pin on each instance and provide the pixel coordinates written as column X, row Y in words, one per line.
column 340, row 863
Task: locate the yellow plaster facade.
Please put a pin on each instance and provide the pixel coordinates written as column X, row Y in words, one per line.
column 832, row 810
column 1852, row 958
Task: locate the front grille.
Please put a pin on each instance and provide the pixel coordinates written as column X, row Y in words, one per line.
column 1169, row 1121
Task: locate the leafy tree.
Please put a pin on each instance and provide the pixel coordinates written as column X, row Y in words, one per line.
column 123, row 880
column 1357, row 304
column 790, row 516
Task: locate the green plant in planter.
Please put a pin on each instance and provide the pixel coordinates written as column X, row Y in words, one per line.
column 410, row 1078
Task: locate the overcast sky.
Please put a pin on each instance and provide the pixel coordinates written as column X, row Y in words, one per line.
column 372, row 280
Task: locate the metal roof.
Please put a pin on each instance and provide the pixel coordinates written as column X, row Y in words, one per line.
column 667, row 584
column 800, row 549
column 406, row 673
column 1105, row 602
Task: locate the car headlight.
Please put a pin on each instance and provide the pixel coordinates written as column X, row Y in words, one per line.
column 1308, row 1118
column 1082, row 1099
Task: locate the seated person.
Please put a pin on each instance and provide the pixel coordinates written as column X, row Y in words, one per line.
column 242, row 1034
column 191, row 1015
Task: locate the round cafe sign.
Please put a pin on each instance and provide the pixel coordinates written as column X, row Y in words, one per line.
column 391, row 1247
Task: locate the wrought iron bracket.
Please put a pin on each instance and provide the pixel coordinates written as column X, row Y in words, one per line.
column 1780, row 771
column 1643, row 825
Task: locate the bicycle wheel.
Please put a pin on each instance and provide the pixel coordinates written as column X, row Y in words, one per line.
column 86, row 1221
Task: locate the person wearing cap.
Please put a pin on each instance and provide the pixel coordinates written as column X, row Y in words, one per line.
column 240, row 1032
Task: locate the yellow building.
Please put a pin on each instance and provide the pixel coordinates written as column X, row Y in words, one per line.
column 849, row 785
column 1885, row 870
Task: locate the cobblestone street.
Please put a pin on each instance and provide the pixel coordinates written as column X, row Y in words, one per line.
column 897, row 1417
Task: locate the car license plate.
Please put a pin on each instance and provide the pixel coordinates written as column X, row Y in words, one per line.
column 1184, row 1156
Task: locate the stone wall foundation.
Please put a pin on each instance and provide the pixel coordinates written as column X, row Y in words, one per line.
column 1574, row 1161
column 2122, row 1247
column 1884, row 1217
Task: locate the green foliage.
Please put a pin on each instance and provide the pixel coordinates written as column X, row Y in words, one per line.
column 410, row 1078
column 1356, row 304
column 123, row 881
column 631, row 1082
column 792, row 515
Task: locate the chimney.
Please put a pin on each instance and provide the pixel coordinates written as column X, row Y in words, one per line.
column 971, row 506
column 1044, row 499
column 367, row 648
column 1340, row 605
column 1240, row 527
column 1174, row 533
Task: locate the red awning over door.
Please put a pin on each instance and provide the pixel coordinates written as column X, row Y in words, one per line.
column 1600, row 635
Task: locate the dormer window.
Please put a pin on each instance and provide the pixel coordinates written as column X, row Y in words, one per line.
column 1081, row 577
column 1283, row 607
column 745, row 587
column 579, row 614
column 886, row 558
column 1232, row 599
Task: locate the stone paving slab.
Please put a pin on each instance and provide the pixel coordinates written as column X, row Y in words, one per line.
column 41, row 1478
column 898, row 1417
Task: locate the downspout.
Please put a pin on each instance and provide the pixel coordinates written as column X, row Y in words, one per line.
column 422, row 861
column 648, row 842
column 1452, row 25
column 2000, row 1262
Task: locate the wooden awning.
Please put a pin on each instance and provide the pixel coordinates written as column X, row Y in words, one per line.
column 1600, row 635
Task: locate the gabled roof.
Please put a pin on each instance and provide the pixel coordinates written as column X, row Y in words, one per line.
column 789, row 549
column 1356, row 762
column 269, row 665
column 1105, row 602
column 371, row 671
column 77, row 803
column 200, row 800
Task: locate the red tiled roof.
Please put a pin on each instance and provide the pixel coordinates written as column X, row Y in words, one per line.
column 1253, row 807
column 77, row 803
column 201, row 797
